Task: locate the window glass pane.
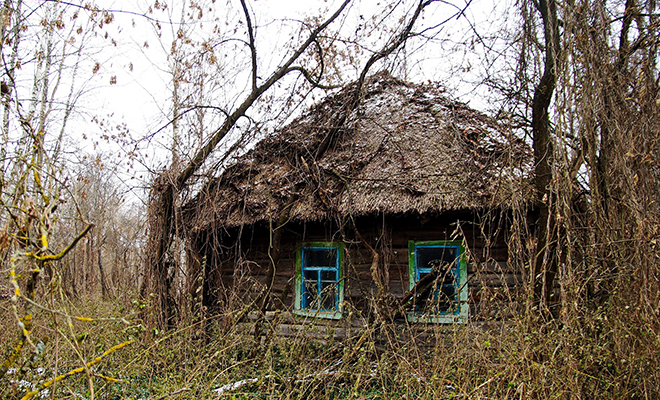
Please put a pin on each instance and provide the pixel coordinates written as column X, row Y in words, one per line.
column 430, row 257
column 328, row 295
column 320, row 257
column 446, row 298
column 328, row 275
column 310, row 289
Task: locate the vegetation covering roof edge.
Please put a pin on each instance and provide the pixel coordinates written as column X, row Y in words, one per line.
column 407, row 148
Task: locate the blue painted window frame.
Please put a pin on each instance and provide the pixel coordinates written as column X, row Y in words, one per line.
column 459, row 312
column 301, row 306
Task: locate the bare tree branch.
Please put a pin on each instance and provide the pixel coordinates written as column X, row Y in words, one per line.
column 253, row 49
column 308, row 76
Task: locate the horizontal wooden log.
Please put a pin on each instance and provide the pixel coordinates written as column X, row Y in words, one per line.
column 494, row 280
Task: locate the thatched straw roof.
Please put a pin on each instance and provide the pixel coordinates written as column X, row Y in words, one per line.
column 406, row 148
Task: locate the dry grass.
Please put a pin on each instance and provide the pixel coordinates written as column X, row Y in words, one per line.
column 610, row 353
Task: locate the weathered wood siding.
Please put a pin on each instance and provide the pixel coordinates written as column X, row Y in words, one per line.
column 237, row 264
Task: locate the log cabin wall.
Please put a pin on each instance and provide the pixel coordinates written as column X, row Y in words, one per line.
column 237, row 263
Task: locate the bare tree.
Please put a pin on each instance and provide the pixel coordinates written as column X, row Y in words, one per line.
column 592, row 116
column 546, row 269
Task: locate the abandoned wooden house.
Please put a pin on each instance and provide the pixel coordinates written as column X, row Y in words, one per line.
column 398, row 203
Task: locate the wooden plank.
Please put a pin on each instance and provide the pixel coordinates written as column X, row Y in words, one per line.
column 495, row 280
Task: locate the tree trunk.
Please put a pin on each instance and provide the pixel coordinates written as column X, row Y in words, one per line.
column 104, row 284
column 157, row 279
column 545, row 265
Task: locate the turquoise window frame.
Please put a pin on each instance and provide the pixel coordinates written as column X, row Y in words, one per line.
column 303, row 309
column 459, row 314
